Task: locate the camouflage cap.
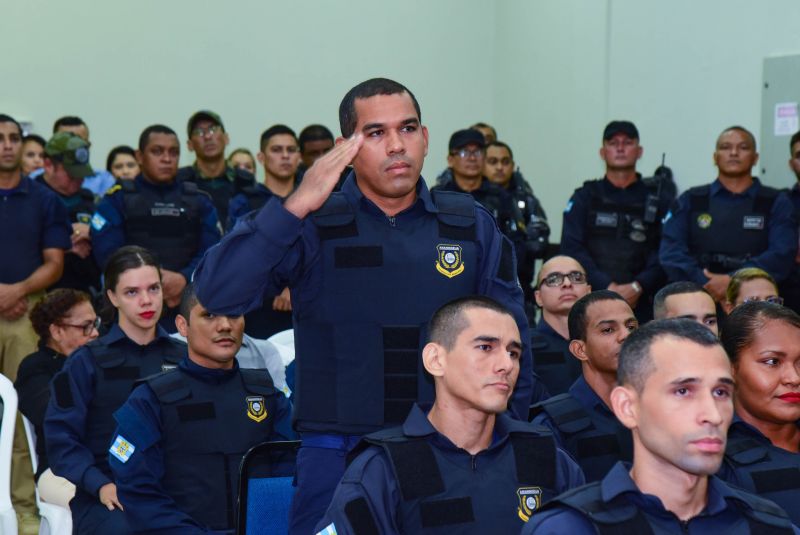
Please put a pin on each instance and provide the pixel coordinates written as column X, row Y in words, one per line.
column 200, row 116
column 73, row 153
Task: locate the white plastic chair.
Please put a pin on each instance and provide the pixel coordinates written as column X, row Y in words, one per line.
column 56, row 520
column 8, row 518
column 284, row 341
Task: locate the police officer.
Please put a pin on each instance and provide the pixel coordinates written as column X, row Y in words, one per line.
column 734, row 222
column 582, row 419
column 97, row 379
column 175, row 220
column 790, row 289
column 210, row 171
column 66, row 164
column 676, row 397
column 366, row 266
column 763, row 451
column 684, row 299
column 181, row 435
column 463, row 465
column 612, row 225
column 561, row 282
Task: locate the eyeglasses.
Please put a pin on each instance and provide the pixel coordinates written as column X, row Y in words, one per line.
column 87, row 326
column 556, row 279
column 464, row 153
column 774, row 299
column 202, row 132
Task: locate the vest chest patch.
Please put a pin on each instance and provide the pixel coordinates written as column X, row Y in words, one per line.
column 450, row 260
column 606, row 219
column 753, row 222
column 530, row 499
column 256, row 408
column 165, row 210
column 704, row 221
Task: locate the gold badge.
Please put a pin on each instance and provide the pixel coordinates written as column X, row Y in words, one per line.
column 704, row 220
column 530, row 498
column 256, row 408
column 450, row 262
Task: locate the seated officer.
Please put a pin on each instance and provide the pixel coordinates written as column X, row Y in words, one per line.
column 732, row 223
column 675, row 395
column 561, row 282
column 182, row 434
column 210, row 171
column 173, row 219
column 582, row 419
column 686, row 300
column 463, row 465
column 612, row 225
column 66, row 164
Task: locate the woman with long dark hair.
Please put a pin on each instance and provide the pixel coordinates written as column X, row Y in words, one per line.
column 96, row 381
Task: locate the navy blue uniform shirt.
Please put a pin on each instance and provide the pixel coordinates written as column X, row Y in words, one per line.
column 370, row 475
column 719, row 516
column 33, row 218
column 108, row 225
column 777, row 260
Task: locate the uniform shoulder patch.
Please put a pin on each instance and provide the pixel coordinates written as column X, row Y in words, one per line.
column 113, row 189
column 330, row 529
column 98, row 221
column 122, row 449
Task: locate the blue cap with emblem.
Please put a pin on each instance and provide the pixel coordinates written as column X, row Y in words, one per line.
column 72, row 152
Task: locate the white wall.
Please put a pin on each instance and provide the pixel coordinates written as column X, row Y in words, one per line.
column 548, row 74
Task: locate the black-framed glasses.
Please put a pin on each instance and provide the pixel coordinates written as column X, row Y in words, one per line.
column 202, row 132
column 87, row 326
column 556, row 279
column 774, row 299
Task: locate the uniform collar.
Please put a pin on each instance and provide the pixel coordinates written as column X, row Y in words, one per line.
column 209, row 375
column 353, row 194
column 741, row 426
column 618, row 482
column 140, row 181
column 587, row 397
column 115, row 334
column 635, row 184
column 546, row 329
column 718, row 189
column 22, row 188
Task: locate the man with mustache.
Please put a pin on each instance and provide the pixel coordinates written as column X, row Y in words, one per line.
column 367, row 266
column 181, row 436
column 675, row 395
column 581, row 418
column 462, row 465
column 734, row 222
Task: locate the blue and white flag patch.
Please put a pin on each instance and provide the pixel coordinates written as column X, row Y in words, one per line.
column 122, row 449
column 569, row 207
column 330, row 529
column 98, row 222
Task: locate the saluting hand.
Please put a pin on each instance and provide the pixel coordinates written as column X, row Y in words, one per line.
column 321, row 178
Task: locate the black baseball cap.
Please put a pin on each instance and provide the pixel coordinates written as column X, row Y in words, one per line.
column 462, row 138
column 625, row 128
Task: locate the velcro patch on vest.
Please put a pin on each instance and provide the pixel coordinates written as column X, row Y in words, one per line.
column 598, row 446
column 122, row 449
column 753, row 222
column 196, row 411
column 439, row 513
column 776, row 480
column 416, row 469
column 358, row 256
column 360, row 517
column 121, row 373
column 549, row 357
column 606, row 219
column 63, row 391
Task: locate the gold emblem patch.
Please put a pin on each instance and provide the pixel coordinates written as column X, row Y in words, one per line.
column 450, row 262
column 530, row 498
column 704, row 220
column 256, row 408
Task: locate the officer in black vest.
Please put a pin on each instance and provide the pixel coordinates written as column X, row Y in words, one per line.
column 66, row 164
column 676, row 396
column 582, row 419
column 211, row 173
column 561, row 282
column 463, row 465
column 182, row 435
column 366, row 266
column 734, row 222
column 175, row 220
column 790, row 289
column 612, row 225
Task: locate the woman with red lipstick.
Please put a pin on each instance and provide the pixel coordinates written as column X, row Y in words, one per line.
column 763, row 452
column 96, row 381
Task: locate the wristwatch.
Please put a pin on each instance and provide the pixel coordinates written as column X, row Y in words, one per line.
column 636, row 287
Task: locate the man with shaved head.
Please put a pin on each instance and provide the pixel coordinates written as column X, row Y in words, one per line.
column 686, row 300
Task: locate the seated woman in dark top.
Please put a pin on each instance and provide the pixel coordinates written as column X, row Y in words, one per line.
column 64, row 321
column 763, row 451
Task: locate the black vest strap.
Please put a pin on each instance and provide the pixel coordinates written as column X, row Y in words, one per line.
column 169, row 387
column 128, row 186
column 456, row 215
column 763, row 516
column 257, row 381
column 416, row 469
column 765, row 198
column 567, row 414
column 447, row 512
column 360, row 517
column 746, row 451
column 336, row 218
column 699, row 198
column 615, row 518
column 535, row 458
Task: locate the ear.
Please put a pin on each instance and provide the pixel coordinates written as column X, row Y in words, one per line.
column 112, row 298
column 425, row 138
column 538, row 297
column 640, row 152
column 182, row 325
column 190, row 145
column 578, row 350
column 139, row 157
column 225, row 138
column 450, row 159
column 624, row 403
column 55, row 332
column 260, row 156
column 602, row 152
column 755, row 161
column 434, row 359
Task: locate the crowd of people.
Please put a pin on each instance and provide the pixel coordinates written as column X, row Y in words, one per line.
column 456, row 370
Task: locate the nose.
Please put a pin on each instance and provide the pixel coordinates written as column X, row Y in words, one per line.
column 394, row 143
column 709, row 411
column 624, row 333
column 791, row 373
column 224, row 324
